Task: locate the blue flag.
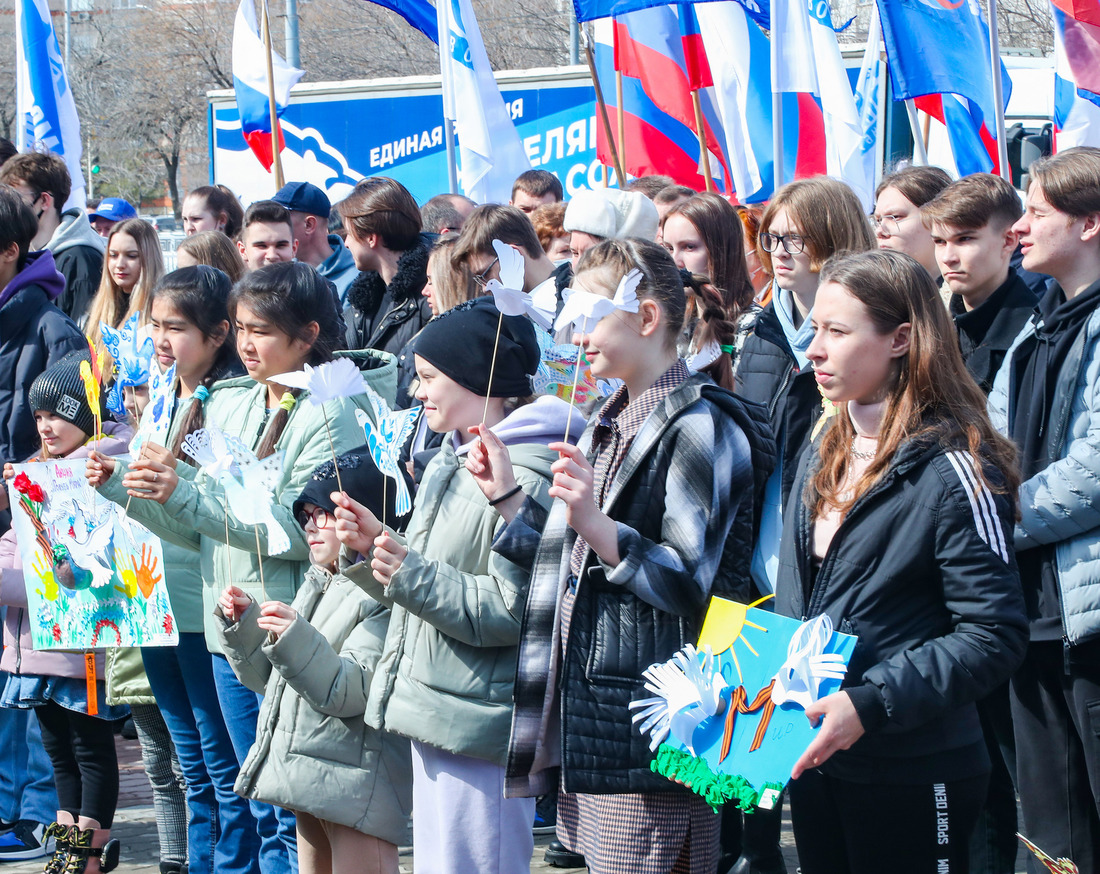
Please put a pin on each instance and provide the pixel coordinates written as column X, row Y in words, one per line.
column 46, row 114
column 587, row 10
column 419, row 13
column 941, row 49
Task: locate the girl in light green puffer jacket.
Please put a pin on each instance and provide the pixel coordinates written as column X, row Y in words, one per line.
column 284, row 318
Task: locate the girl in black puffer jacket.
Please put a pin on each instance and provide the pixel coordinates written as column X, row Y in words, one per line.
column 902, row 534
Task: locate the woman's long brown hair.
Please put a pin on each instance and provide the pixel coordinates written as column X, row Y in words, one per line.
column 933, row 397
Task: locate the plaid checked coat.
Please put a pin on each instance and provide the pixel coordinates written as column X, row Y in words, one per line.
column 684, row 499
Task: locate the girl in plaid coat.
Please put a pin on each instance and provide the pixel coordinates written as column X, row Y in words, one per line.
column 622, row 567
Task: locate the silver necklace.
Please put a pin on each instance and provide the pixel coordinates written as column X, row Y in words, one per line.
column 862, row 456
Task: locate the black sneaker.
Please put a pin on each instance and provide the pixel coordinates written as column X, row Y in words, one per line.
column 24, row 840
column 546, row 814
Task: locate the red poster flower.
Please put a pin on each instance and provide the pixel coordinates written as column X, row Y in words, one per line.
column 36, row 494
column 22, row 483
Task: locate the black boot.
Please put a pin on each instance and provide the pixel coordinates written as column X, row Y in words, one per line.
column 559, row 856
column 760, row 850
column 88, row 842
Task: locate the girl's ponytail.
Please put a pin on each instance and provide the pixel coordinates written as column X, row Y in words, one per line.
column 715, row 326
column 195, row 419
column 278, row 422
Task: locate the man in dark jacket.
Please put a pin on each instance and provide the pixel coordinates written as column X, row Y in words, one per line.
column 971, row 225
column 43, row 181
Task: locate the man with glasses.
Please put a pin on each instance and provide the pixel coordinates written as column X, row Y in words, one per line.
column 541, row 278
column 42, row 180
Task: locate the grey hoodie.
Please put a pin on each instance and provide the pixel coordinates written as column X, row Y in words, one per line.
column 78, row 253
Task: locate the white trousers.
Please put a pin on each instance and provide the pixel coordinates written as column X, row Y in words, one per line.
column 462, row 822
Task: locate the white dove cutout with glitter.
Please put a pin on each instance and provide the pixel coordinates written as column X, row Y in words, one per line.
column 249, row 483
column 508, row 293
column 385, row 438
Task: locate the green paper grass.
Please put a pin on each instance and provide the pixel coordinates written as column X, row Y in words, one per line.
column 715, row 789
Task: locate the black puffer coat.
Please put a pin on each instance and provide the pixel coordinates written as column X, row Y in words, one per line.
column 923, row 572
column 768, row 374
column 386, row 317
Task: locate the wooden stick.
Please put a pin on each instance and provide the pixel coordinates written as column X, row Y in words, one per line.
column 492, row 367
column 274, row 115
column 260, row 559
column 619, row 171
column 573, row 394
column 700, row 130
column 335, row 461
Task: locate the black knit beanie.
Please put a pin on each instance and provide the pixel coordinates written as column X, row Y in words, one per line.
column 460, row 343
column 361, row 479
column 60, row 390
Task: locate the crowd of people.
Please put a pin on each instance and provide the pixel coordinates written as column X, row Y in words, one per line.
column 890, row 420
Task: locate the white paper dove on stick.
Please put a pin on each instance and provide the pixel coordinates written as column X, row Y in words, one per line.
column 339, row 378
column 508, row 293
column 688, row 690
column 626, row 297
column 583, row 310
column 807, row 664
column 385, row 439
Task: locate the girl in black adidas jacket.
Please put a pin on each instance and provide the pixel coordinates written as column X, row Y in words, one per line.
column 903, row 536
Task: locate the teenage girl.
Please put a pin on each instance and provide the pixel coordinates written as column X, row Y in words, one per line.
column 349, row 786
column 81, row 746
column 704, row 236
column 212, row 208
column 897, row 220
column 284, row 319
column 214, row 249
column 131, row 269
column 628, row 557
column 446, row 672
column 190, row 324
column 938, row 612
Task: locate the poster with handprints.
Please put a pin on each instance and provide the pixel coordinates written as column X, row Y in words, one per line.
column 94, row 578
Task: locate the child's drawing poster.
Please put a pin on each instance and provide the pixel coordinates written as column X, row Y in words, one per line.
column 94, row 577
column 734, row 710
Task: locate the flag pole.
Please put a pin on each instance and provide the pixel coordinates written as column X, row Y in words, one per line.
column 619, row 119
column 276, row 157
column 443, row 9
column 998, row 92
column 701, row 133
column 777, row 108
column 920, row 154
column 619, row 172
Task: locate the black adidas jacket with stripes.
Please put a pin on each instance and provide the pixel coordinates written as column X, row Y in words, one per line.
column 923, row 572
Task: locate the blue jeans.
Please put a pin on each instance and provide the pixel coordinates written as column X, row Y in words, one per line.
column 26, row 776
column 241, row 708
column 221, row 832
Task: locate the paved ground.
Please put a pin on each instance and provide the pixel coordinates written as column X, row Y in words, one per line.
column 136, row 829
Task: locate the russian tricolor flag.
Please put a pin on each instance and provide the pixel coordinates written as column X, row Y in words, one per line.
column 1076, row 59
column 251, row 87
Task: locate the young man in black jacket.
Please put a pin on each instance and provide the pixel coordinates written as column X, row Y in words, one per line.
column 971, row 225
column 42, row 180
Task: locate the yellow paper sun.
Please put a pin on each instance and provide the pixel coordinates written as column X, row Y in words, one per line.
column 722, row 627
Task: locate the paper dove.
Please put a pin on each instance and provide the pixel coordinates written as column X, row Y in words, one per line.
column 688, row 690
column 385, row 441
column 249, row 483
column 156, row 421
column 131, row 348
column 339, row 378
column 808, row 664
column 583, row 310
column 625, row 297
column 508, row 293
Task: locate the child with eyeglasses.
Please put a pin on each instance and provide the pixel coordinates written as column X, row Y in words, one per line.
column 349, row 785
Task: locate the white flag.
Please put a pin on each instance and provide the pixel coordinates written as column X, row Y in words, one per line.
column 45, row 111
column 491, row 154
